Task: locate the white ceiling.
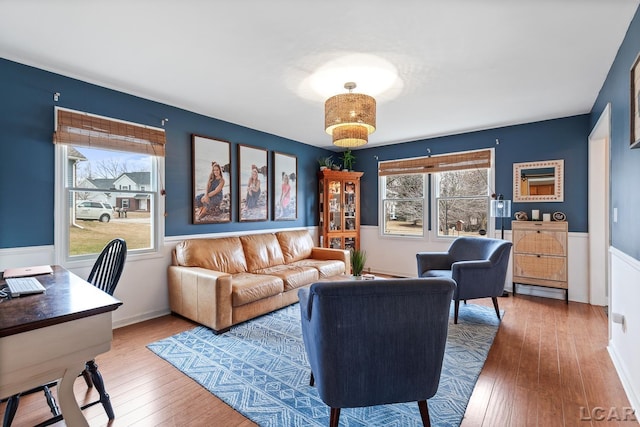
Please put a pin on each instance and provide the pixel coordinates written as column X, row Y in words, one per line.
column 463, row 65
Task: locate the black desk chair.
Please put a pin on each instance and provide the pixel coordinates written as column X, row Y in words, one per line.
column 104, row 275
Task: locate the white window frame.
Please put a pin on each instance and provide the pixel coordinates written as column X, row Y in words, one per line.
column 434, row 210
column 430, row 210
column 62, row 212
column 425, row 209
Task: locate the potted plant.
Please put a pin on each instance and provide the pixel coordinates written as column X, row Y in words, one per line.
column 358, row 259
column 325, row 162
column 348, row 159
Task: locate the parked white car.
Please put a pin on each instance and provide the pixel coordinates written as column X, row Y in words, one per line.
column 94, row 211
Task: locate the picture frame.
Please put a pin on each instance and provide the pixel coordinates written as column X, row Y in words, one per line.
column 635, row 103
column 253, row 183
column 211, row 169
column 285, row 187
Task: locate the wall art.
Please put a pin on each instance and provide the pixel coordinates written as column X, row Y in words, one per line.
column 285, row 182
column 253, row 184
column 211, row 169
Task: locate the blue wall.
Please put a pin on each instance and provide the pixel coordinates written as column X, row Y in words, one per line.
column 548, row 140
column 625, row 163
column 27, row 174
column 27, row 171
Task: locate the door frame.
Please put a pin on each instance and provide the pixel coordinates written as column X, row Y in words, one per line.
column 599, row 202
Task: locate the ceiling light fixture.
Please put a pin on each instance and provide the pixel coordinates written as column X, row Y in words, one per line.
column 350, row 117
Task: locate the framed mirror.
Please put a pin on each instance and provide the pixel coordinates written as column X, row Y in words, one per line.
column 538, row 181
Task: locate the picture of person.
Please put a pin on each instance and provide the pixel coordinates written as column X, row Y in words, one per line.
column 285, row 195
column 211, row 195
column 285, row 204
column 253, row 188
column 209, row 202
column 253, row 182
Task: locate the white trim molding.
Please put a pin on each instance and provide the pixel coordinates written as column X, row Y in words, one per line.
column 625, row 336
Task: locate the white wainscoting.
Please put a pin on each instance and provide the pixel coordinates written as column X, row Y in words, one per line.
column 624, row 340
column 397, row 256
column 143, row 285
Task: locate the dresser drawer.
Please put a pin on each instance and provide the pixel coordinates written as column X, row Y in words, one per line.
column 533, row 239
column 540, row 267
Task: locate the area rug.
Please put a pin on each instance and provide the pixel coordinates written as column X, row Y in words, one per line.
column 260, row 369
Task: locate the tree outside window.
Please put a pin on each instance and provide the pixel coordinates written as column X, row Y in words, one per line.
column 403, row 204
column 462, row 202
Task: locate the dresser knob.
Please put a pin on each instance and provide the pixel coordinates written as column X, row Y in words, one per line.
column 538, row 231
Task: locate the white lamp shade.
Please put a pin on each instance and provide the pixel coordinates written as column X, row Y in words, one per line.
column 501, row 208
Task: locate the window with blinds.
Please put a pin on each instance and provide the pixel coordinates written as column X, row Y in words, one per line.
column 458, row 199
column 109, row 183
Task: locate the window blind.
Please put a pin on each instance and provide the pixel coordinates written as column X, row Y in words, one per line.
column 84, row 129
column 447, row 162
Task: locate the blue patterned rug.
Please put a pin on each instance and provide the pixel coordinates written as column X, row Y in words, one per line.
column 260, row 369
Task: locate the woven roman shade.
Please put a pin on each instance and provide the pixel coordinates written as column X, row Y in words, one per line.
column 88, row 130
column 447, row 162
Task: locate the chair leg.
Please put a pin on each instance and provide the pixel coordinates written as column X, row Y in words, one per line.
column 334, row 420
column 51, row 401
column 10, row 410
column 495, row 305
column 87, row 378
column 312, row 380
column 456, row 309
column 424, row 413
column 99, row 383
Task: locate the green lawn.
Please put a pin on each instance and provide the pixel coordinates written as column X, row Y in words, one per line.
column 135, row 230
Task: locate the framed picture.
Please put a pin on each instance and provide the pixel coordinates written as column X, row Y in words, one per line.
column 211, row 160
column 635, row 103
column 285, row 183
column 254, row 191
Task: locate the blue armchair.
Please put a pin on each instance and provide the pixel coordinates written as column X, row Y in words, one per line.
column 478, row 265
column 376, row 342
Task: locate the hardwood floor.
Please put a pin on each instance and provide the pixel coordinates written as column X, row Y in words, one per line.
column 548, row 361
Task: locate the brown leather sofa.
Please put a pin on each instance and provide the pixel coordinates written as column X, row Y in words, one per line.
column 222, row 282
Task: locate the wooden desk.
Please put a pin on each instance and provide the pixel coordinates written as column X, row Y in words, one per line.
column 50, row 336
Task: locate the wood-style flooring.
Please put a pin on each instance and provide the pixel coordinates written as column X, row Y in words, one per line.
column 548, row 366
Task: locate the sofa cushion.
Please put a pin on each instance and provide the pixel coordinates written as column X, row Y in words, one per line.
column 261, row 251
column 248, row 287
column 326, row 268
column 295, row 245
column 223, row 254
column 293, row 276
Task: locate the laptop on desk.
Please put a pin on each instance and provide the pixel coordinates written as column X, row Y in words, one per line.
column 27, row 271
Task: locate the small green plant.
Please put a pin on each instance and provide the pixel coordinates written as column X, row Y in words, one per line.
column 358, row 259
column 348, row 159
column 326, row 162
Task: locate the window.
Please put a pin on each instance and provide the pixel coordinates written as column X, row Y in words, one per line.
column 403, row 204
column 458, row 198
column 462, row 202
column 92, row 208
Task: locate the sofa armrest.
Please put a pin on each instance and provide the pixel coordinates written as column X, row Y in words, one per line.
column 201, row 295
column 337, row 254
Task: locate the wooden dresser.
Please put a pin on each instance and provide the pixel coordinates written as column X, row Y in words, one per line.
column 540, row 254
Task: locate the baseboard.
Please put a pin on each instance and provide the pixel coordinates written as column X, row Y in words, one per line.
column 140, row 318
column 624, row 379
